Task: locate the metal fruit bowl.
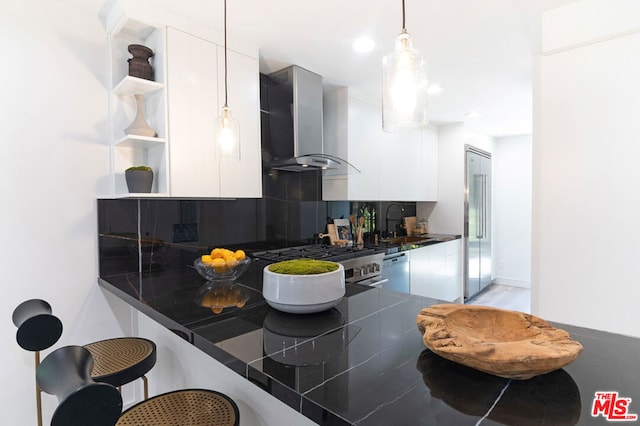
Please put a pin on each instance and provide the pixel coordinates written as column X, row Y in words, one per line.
column 223, row 272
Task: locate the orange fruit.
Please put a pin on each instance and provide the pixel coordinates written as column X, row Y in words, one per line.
column 216, row 252
column 240, row 254
column 218, row 262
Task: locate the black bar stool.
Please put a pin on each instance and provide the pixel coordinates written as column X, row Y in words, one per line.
column 81, row 401
column 116, row 361
column 38, row 330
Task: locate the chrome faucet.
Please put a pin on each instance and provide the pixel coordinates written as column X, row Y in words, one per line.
column 386, row 216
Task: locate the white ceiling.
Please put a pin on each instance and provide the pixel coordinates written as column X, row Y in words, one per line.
column 481, row 51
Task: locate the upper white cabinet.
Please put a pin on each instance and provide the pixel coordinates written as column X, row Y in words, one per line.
column 132, row 150
column 192, row 70
column 393, row 166
column 195, row 71
column 243, row 178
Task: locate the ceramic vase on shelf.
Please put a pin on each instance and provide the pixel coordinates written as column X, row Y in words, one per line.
column 139, row 126
column 139, row 179
column 139, row 65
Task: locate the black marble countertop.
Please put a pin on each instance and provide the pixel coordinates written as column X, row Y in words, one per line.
column 413, row 242
column 363, row 362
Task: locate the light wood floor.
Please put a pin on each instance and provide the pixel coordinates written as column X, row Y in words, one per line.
column 504, row 296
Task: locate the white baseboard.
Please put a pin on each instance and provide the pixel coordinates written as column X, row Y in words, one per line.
column 511, row 282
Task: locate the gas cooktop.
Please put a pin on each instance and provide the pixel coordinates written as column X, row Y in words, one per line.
column 314, row 251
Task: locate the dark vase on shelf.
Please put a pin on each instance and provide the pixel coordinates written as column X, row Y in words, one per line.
column 139, row 65
column 139, row 179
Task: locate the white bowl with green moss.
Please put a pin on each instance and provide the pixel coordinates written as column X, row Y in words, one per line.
column 303, row 286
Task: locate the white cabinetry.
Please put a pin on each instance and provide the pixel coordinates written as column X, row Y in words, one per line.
column 196, row 94
column 435, row 271
column 193, row 104
column 130, row 150
column 181, row 105
column 243, row 178
column 393, row 166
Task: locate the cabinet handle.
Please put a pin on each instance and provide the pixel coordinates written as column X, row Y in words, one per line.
column 379, row 283
column 477, row 182
column 484, row 206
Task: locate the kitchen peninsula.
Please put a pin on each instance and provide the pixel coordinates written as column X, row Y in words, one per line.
column 363, row 362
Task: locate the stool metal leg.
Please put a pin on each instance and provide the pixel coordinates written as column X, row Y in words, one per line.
column 38, row 392
column 146, row 387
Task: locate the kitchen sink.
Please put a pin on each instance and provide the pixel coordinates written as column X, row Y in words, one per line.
column 407, row 239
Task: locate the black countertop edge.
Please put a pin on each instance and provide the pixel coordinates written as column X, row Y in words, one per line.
column 163, row 320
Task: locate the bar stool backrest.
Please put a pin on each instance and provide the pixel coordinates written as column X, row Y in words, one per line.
column 38, row 329
column 65, row 373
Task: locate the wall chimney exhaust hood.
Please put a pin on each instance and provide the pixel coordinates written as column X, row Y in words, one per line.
column 291, row 102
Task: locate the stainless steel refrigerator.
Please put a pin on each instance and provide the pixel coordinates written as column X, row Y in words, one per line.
column 477, row 221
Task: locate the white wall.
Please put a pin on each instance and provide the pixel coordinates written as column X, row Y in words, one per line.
column 447, row 216
column 585, row 159
column 54, row 160
column 54, row 163
column 511, row 163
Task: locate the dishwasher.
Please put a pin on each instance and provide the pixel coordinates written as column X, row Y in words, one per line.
column 395, row 272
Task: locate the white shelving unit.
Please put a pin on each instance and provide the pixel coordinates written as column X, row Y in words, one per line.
column 132, row 150
column 184, row 96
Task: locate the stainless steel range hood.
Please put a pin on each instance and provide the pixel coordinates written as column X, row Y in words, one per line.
column 306, row 162
column 292, row 102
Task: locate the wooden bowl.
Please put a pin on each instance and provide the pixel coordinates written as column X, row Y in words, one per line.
column 505, row 343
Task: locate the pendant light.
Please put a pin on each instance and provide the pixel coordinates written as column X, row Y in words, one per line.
column 227, row 128
column 404, row 86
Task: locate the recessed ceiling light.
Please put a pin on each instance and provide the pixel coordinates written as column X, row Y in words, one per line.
column 363, row 44
column 434, row 89
column 473, row 114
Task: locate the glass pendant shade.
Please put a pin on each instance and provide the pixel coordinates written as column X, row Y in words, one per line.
column 404, row 88
column 227, row 136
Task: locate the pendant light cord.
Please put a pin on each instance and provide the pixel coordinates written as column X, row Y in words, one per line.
column 404, row 30
column 225, row 52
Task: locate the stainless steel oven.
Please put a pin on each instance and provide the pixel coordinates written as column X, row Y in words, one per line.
column 366, row 270
column 362, row 266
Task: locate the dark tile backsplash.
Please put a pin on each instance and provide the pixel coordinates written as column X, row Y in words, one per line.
column 154, row 234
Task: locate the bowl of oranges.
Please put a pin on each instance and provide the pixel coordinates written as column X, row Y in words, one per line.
column 222, row 264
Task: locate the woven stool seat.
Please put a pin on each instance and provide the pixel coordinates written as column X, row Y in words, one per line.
column 122, row 360
column 187, row 407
